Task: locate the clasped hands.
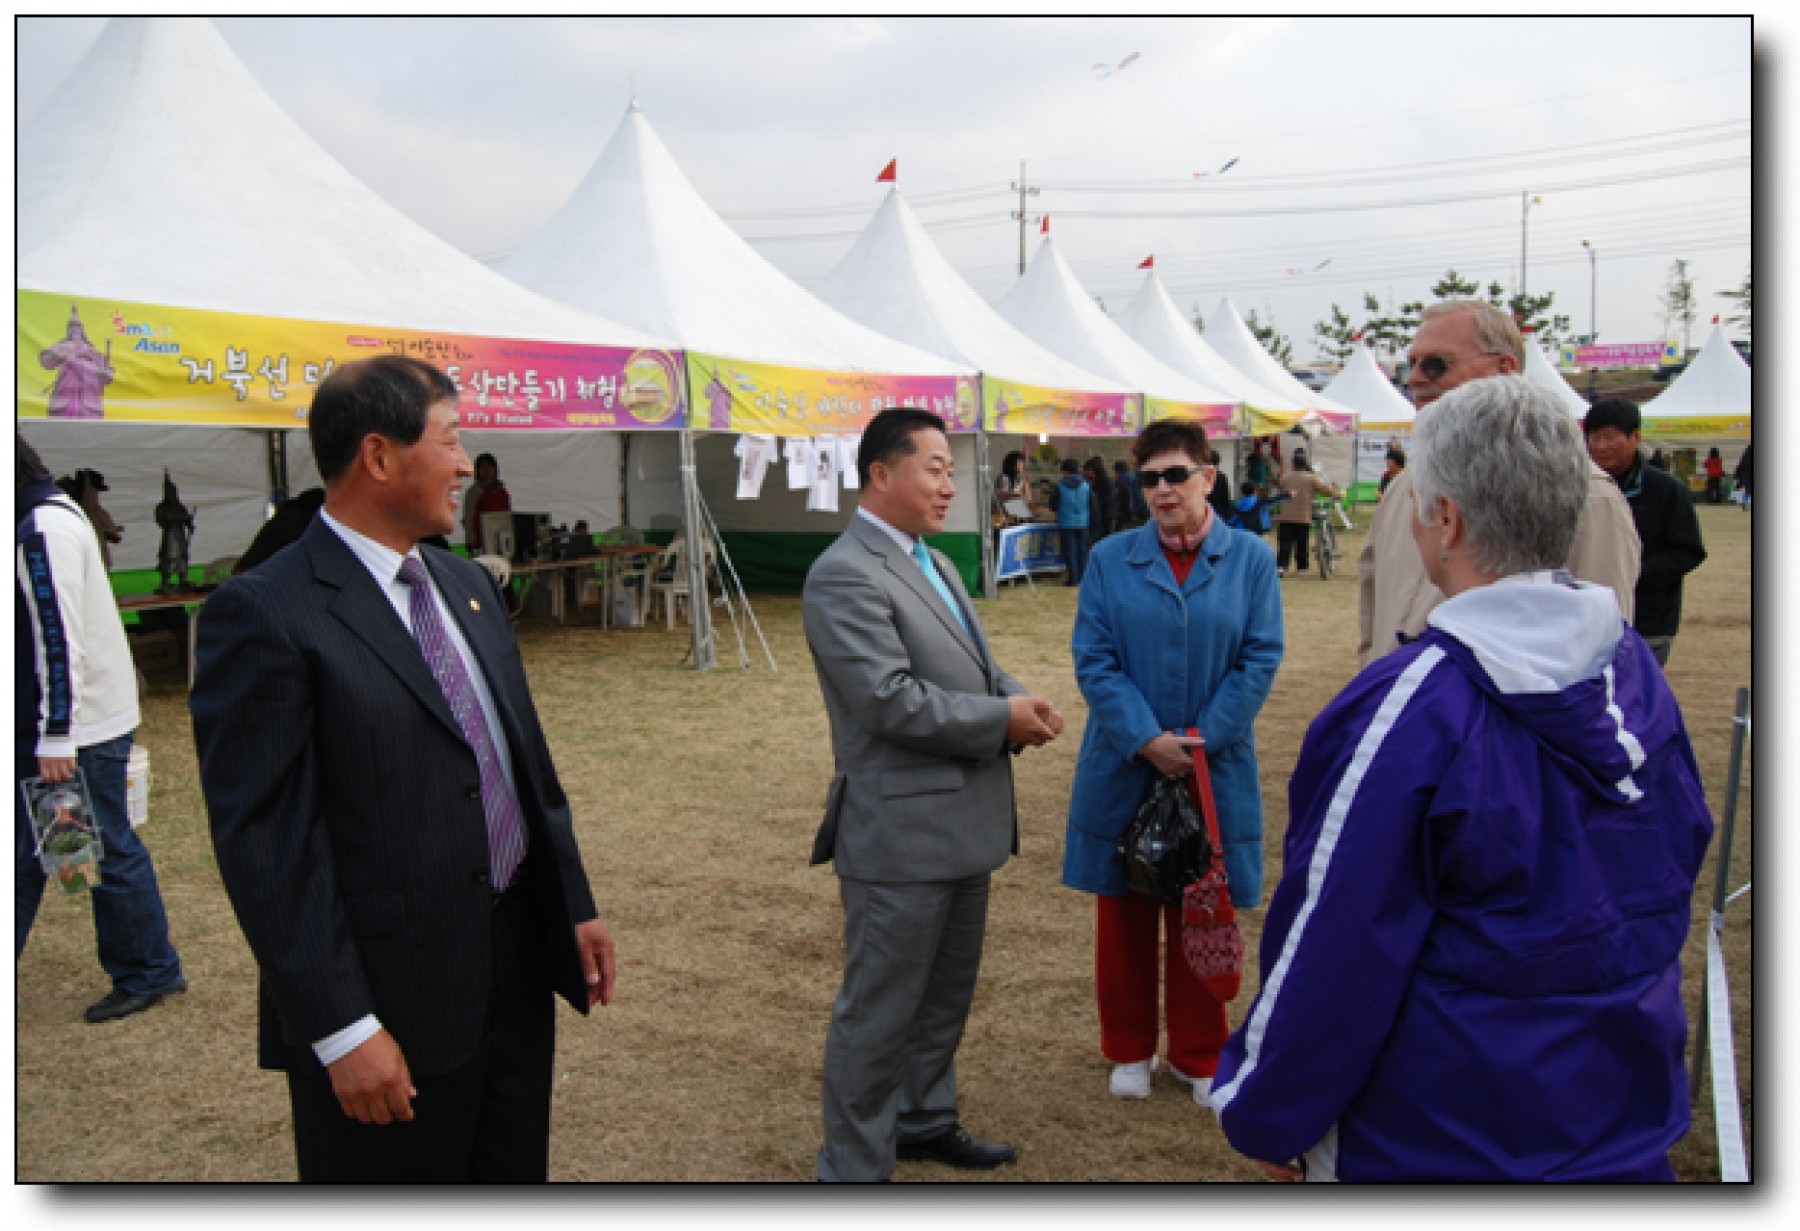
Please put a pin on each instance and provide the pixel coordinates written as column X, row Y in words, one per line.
column 1034, row 722
column 1171, row 754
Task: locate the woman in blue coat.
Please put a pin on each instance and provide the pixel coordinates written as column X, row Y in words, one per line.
column 1178, row 626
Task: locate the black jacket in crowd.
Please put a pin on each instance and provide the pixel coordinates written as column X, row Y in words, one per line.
column 1670, row 530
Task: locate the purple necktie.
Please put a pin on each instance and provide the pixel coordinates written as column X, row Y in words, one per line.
column 506, row 835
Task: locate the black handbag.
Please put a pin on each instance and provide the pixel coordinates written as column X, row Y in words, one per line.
column 1165, row 847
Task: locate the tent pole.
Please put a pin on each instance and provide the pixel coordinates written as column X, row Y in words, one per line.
column 278, row 467
column 984, row 496
column 699, row 605
column 624, row 478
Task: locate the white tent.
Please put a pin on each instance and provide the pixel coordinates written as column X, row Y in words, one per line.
column 895, row 281
column 1231, row 338
column 637, row 242
column 1153, row 321
column 161, row 173
column 1539, row 371
column 1052, row 308
column 1711, row 399
column 1383, row 412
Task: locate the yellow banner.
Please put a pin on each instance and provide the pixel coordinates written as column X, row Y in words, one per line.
column 733, row 395
column 1009, row 407
column 1699, row 427
column 85, row 358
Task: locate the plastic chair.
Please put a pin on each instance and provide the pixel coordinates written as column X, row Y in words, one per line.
column 499, row 566
column 671, row 579
column 624, row 570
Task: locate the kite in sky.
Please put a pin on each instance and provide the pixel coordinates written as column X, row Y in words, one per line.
column 1200, row 175
column 1103, row 71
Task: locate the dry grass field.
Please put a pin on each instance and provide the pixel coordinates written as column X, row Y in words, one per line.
column 696, row 798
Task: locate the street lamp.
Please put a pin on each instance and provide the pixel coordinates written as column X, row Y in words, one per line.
column 1593, row 315
column 1593, row 293
column 1526, row 201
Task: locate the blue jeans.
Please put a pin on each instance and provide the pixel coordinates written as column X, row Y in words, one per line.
column 129, row 923
column 1075, row 553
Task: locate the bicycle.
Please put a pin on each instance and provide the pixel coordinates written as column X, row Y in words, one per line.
column 1325, row 545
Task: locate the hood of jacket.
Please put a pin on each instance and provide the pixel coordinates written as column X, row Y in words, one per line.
column 1555, row 654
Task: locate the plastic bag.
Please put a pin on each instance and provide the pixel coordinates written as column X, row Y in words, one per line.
column 1165, row 848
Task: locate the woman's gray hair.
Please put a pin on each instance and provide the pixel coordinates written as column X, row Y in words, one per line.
column 1511, row 457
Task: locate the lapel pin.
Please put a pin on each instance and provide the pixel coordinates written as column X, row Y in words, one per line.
column 474, row 605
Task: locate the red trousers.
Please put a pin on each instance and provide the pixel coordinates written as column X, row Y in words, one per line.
column 1126, row 968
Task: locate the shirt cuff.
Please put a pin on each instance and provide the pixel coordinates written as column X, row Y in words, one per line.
column 57, row 746
column 335, row 1047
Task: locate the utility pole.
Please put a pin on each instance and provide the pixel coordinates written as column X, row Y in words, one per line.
column 1526, row 201
column 1024, row 220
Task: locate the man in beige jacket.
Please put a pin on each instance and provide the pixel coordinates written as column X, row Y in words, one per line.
column 1460, row 340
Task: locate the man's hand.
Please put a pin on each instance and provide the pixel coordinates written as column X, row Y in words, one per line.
column 1169, row 754
column 1034, row 722
column 56, row 769
column 1286, row 1173
column 598, row 961
column 372, row 1083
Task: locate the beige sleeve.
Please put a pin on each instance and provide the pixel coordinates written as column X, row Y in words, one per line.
column 1606, row 549
column 1393, row 592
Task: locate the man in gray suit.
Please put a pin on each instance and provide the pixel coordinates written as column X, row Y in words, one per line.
column 920, row 812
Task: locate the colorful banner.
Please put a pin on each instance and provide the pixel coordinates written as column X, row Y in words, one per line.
column 1616, row 355
column 1698, row 427
column 1218, row 418
column 1028, row 549
column 84, row 358
column 733, row 395
column 1009, row 407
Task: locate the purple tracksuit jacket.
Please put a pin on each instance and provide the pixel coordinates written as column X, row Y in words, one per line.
column 1470, row 965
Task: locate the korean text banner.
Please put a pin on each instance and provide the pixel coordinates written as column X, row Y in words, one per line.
column 1030, row 410
column 86, row 358
column 1218, row 418
column 732, row 395
column 1697, row 427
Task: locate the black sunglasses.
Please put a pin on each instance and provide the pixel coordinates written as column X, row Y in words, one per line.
column 1434, row 366
column 1174, row 476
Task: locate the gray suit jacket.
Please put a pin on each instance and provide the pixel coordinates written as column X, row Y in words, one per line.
column 918, row 709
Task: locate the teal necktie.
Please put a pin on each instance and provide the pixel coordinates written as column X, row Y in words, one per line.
column 923, row 556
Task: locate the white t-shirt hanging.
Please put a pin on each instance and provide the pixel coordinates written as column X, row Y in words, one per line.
column 846, row 447
column 823, row 498
column 754, row 455
column 799, row 453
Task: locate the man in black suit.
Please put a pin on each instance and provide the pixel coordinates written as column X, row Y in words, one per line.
column 387, row 820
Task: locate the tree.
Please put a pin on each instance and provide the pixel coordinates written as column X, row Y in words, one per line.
column 1337, row 337
column 1275, row 342
column 1677, row 300
column 1533, row 314
column 1741, row 297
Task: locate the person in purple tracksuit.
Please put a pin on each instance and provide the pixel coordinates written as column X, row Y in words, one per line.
column 1470, row 967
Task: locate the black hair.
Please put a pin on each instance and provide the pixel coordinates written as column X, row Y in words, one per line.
column 490, row 459
column 1613, row 412
column 1248, row 489
column 1071, row 466
column 1165, row 434
column 889, row 437
column 389, row 395
column 1006, row 464
column 28, row 466
column 1397, row 455
column 1121, row 466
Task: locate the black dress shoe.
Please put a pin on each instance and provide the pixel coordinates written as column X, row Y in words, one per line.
column 955, row 1148
column 116, row 1004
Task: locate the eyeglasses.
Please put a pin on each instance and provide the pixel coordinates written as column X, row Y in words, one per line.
column 1174, row 476
column 1433, row 367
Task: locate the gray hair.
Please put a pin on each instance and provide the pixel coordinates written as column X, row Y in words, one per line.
column 1512, row 458
column 1495, row 330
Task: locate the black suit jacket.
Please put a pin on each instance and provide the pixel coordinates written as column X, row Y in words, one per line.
column 346, row 805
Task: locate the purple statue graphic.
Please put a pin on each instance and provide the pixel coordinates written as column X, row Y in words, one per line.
column 81, row 373
column 719, row 402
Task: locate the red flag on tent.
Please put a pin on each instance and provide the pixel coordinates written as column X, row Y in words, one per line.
column 1359, row 335
column 1044, row 226
column 1715, row 320
column 890, row 173
column 1148, row 262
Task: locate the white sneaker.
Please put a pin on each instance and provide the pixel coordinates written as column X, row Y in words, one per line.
column 1133, row 1080
column 1202, row 1086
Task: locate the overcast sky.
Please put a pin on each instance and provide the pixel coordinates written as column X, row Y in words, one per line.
column 1371, row 154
